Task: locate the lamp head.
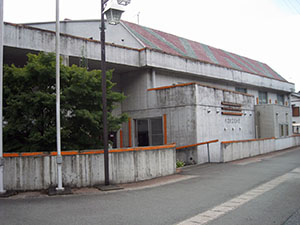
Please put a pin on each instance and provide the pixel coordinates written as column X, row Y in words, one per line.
column 124, row 2
column 113, row 13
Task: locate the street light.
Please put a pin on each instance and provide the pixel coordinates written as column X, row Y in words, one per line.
column 113, row 14
column 124, row 2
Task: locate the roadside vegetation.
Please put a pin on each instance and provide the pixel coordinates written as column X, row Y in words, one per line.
column 179, row 163
column 30, row 106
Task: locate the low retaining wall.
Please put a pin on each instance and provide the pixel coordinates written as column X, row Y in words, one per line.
column 36, row 171
column 234, row 150
column 199, row 153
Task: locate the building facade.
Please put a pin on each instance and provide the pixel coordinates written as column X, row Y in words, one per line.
column 178, row 91
column 295, row 102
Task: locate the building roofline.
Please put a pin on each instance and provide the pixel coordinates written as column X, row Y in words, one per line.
column 203, row 61
column 63, row 21
column 27, row 26
column 71, row 36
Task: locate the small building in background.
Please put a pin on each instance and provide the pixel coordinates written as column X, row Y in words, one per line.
column 295, row 102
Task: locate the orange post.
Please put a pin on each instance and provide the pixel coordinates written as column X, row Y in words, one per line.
column 129, row 133
column 121, row 138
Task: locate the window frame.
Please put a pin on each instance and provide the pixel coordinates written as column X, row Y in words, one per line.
column 241, row 90
column 295, row 111
column 150, row 131
column 260, row 99
column 280, row 99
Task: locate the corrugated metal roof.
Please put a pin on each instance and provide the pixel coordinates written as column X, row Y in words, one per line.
column 175, row 45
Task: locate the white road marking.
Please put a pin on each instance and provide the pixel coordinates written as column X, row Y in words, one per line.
column 238, row 201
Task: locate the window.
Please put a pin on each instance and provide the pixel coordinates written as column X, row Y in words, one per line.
column 296, row 112
column 157, row 131
column 281, row 127
column 280, row 99
column 263, row 97
column 283, row 130
column 242, row 90
column 113, row 139
column 149, row 131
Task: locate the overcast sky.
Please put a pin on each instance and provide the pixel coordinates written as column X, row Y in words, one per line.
column 264, row 30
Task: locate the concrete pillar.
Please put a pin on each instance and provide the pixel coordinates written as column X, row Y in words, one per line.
column 65, row 60
column 153, row 78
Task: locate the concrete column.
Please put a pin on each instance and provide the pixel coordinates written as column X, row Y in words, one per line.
column 153, row 78
column 65, row 60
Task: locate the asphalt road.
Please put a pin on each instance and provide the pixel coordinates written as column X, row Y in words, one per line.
column 275, row 177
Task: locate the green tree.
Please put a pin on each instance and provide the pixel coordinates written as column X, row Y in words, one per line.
column 30, row 106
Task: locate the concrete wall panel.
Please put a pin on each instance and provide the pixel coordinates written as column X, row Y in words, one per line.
column 179, row 64
column 85, row 170
column 244, row 149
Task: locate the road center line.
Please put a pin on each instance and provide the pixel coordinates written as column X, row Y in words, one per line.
column 240, row 200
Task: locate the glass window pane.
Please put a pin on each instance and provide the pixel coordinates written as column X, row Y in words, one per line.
column 263, row 99
column 156, row 125
column 157, row 139
column 280, row 99
column 143, row 134
column 242, row 90
column 157, row 131
column 296, row 111
column 281, row 130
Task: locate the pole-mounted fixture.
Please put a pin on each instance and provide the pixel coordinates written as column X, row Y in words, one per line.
column 124, row 2
column 113, row 12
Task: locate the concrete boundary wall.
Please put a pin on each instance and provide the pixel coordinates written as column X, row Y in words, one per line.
column 37, row 171
column 234, row 150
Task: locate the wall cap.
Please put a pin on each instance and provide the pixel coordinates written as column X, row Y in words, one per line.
column 89, row 152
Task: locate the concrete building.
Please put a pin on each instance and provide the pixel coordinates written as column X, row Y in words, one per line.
column 178, row 91
column 295, row 102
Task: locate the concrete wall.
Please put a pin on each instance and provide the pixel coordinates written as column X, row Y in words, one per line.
column 135, row 85
column 116, row 34
column 21, row 37
column 295, row 100
column 243, row 149
column 158, row 60
column 269, row 117
column 194, row 115
column 212, row 124
column 86, row 169
column 164, row 78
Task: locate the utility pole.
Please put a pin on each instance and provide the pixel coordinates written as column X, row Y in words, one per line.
column 2, row 191
column 58, row 136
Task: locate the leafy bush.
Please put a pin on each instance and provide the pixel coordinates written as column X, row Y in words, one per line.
column 179, row 164
column 30, row 106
